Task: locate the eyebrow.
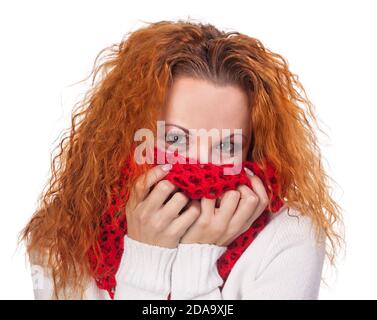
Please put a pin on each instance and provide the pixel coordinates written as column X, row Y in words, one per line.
column 188, row 132
column 180, row 127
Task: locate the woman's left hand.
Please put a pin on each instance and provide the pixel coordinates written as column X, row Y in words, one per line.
column 237, row 212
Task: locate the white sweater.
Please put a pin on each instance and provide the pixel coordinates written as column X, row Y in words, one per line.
column 283, row 262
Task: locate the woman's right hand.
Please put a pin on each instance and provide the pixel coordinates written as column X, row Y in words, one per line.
column 150, row 219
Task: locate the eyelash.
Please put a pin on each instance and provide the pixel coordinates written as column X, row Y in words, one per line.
column 173, row 133
column 230, row 143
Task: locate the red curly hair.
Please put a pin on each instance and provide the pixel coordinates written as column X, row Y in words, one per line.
column 135, row 77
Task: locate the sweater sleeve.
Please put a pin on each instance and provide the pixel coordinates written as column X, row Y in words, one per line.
column 194, row 272
column 43, row 287
column 42, row 282
column 144, row 271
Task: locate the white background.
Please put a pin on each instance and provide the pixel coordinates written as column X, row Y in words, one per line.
column 45, row 46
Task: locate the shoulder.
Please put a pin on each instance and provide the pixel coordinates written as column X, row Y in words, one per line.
column 285, row 260
column 290, row 236
column 291, row 225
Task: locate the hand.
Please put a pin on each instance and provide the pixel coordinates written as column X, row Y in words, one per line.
column 237, row 212
column 152, row 210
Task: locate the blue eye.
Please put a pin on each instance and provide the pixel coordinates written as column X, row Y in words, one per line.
column 226, row 146
column 174, row 137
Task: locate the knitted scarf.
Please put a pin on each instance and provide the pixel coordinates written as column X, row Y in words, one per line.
column 196, row 180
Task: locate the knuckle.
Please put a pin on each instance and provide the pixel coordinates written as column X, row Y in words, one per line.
column 234, row 193
column 252, row 199
column 219, row 227
column 139, row 184
column 142, row 217
column 180, row 197
column 195, row 210
column 154, row 176
column 203, row 223
column 165, row 186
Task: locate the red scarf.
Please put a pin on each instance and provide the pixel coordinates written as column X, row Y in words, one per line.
column 196, row 181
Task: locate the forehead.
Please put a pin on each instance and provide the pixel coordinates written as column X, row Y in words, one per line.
column 195, row 103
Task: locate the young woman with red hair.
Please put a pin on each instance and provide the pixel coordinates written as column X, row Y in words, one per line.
column 110, row 228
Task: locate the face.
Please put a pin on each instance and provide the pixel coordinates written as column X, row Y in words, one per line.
column 206, row 110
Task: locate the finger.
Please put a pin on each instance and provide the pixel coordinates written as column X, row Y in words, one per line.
column 228, row 204
column 187, row 218
column 247, row 208
column 172, row 208
column 156, row 198
column 207, row 207
column 145, row 181
column 260, row 191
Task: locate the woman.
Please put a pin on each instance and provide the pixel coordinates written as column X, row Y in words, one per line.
column 190, row 76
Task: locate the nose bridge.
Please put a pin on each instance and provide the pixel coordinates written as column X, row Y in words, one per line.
column 201, row 149
column 204, row 153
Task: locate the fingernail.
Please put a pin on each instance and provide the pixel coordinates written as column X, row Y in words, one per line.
column 249, row 172
column 166, row 167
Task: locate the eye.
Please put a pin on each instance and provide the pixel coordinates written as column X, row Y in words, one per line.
column 175, row 137
column 226, row 146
